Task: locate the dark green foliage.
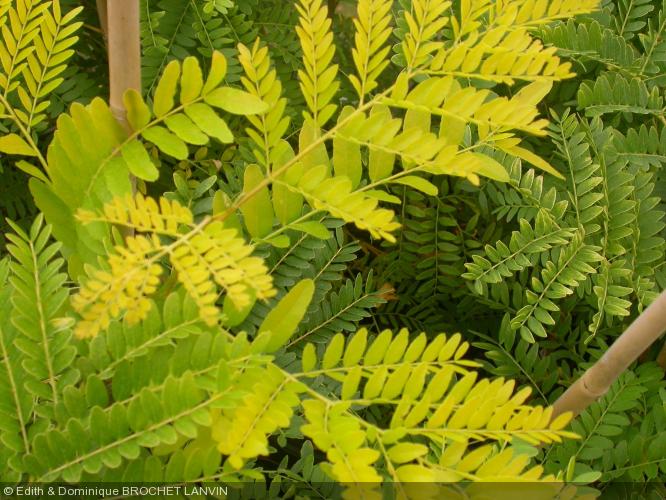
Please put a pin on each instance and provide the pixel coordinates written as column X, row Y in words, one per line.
column 623, row 434
column 540, row 273
column 174, row 29
column 341, row 310
column 15, row 200
column 613, row 93
column 593, row 43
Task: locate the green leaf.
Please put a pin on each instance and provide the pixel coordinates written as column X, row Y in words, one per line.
column 236, row 101
column 287, row 204
column 355, row 348
column 13, row 144
column 313, row 228
column 186, row 130
column 207, row 120
column 163, row 100
column 347, row 153
column 380, row 163
column 138, row 161
column 406, row 452
column 234, row 316
column 284, row 318
column 490, row 168
column 351, row 382
column 309, row 359
column 55, row 211
column 318, row 155
column 138, row 113
column 534, row 159
column 167, row 142
column 30, row 169
column 221, row 203
column 419, row 184
column 258, row 209
column 333, row 352
column 192, row 81
column 587, row 477
column 376, row 351
column 380, row 195
column 280, row 241
column 218, row 70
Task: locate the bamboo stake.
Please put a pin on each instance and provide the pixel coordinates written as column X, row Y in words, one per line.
column 103, row 18
column 124, row 43
column 594, row 383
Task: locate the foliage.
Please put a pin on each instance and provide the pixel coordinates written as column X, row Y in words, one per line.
column 250, row 282
column 116, row 409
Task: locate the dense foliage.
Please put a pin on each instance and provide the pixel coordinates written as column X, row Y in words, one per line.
column 251, row 282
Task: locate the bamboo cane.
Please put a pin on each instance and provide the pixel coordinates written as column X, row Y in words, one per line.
column 594, row 383
column 102, row 14
column 124, row 44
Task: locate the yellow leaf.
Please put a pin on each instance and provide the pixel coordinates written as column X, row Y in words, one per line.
column 355, row 348
column 333, row 351
column 13, row 144
column 309, row 358
column 406, row 452
column 415, row 474
column 532, row 158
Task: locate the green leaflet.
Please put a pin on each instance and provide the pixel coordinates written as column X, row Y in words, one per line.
column 138, row 112
column 312, row 155
column 346, row 154
column 419, row 184
column 316, row 229
column 221, row 204
column 257, row 210
column 186, row 130
column 13, row 144
column 287, row 204
column 192, row 83
column 380, row 163
column 168, row 142
column 163, row 100
column 138, row 161
column 281, row 323
column 233, row 315
column 218, row 70
column 55, row 209
column 235, row 101
column 209, row 122
column 483, row 165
